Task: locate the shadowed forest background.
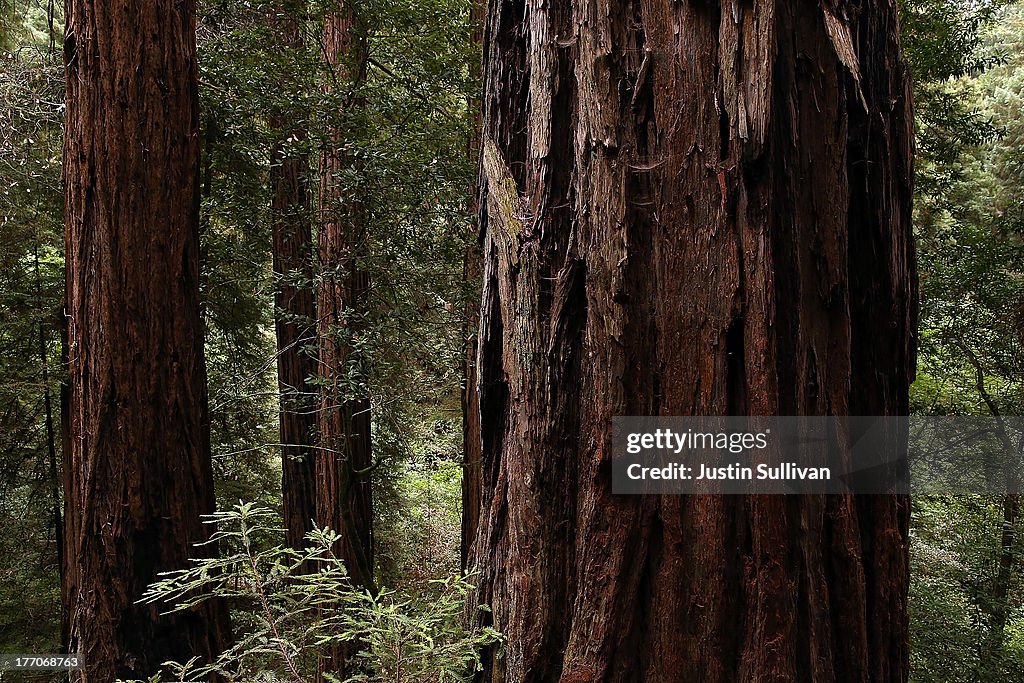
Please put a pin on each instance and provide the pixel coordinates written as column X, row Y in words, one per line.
column 275, row 98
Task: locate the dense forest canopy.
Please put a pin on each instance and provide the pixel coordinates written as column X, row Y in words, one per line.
column 358, row 262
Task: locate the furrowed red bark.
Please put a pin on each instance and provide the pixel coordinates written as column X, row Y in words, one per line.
column 137, row 458
column 693, row 208
column 295, row 325
column 344, row 496
column 343, row 464
column 295, row 309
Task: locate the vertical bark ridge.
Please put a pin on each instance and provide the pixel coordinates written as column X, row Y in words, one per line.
column 137, row 453
column 738, row 190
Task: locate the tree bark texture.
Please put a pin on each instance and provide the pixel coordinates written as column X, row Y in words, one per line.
column 344, row 496
column 137, row 458
column 472, row 446
column 693, row 208
column 295, row 311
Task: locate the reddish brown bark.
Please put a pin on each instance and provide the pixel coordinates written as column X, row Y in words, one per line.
column 295, row 309
column 472, row 449
column 693, row 208
column 137, row 457
column 295, row 326
column 343, row 465
column 344, row 496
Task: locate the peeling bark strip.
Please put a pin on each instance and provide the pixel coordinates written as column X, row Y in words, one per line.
column 712, row 216
column 137, row 457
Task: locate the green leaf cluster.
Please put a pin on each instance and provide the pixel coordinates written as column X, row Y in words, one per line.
column 291, row 608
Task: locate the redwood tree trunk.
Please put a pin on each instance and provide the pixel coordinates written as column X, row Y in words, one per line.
column 295, row 309
column 344, row 496
column 693, row 208
column 137, row 462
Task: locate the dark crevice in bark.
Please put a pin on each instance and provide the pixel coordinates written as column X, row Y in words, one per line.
column 724, row 133
column 493, row 393
column 569, row 315
column 736, row 402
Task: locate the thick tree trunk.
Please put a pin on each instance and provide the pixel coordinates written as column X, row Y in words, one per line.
column 295, row 310
column 137, row 461
column 343, row 465
column 693, row 208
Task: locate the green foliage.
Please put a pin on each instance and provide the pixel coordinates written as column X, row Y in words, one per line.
column 237, row 280
column 972, row 253
column 30, row 22
column 286, row 619
column 966, row 606
column 955, row 563
column 406, row 130
column 419, row 521
column 403, row 129
column 31, row 319
column 940, row 40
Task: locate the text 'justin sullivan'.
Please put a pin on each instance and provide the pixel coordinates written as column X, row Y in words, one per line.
column 735, row 442
column 787, row 471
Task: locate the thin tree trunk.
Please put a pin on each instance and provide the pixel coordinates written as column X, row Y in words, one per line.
column 999, row 608
column 53, row 471
column 65, row 445
column 693, row 208
column 996, row 603
column 472, row 447
column 344, row 497
column 295, row 308
column 137, row 459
